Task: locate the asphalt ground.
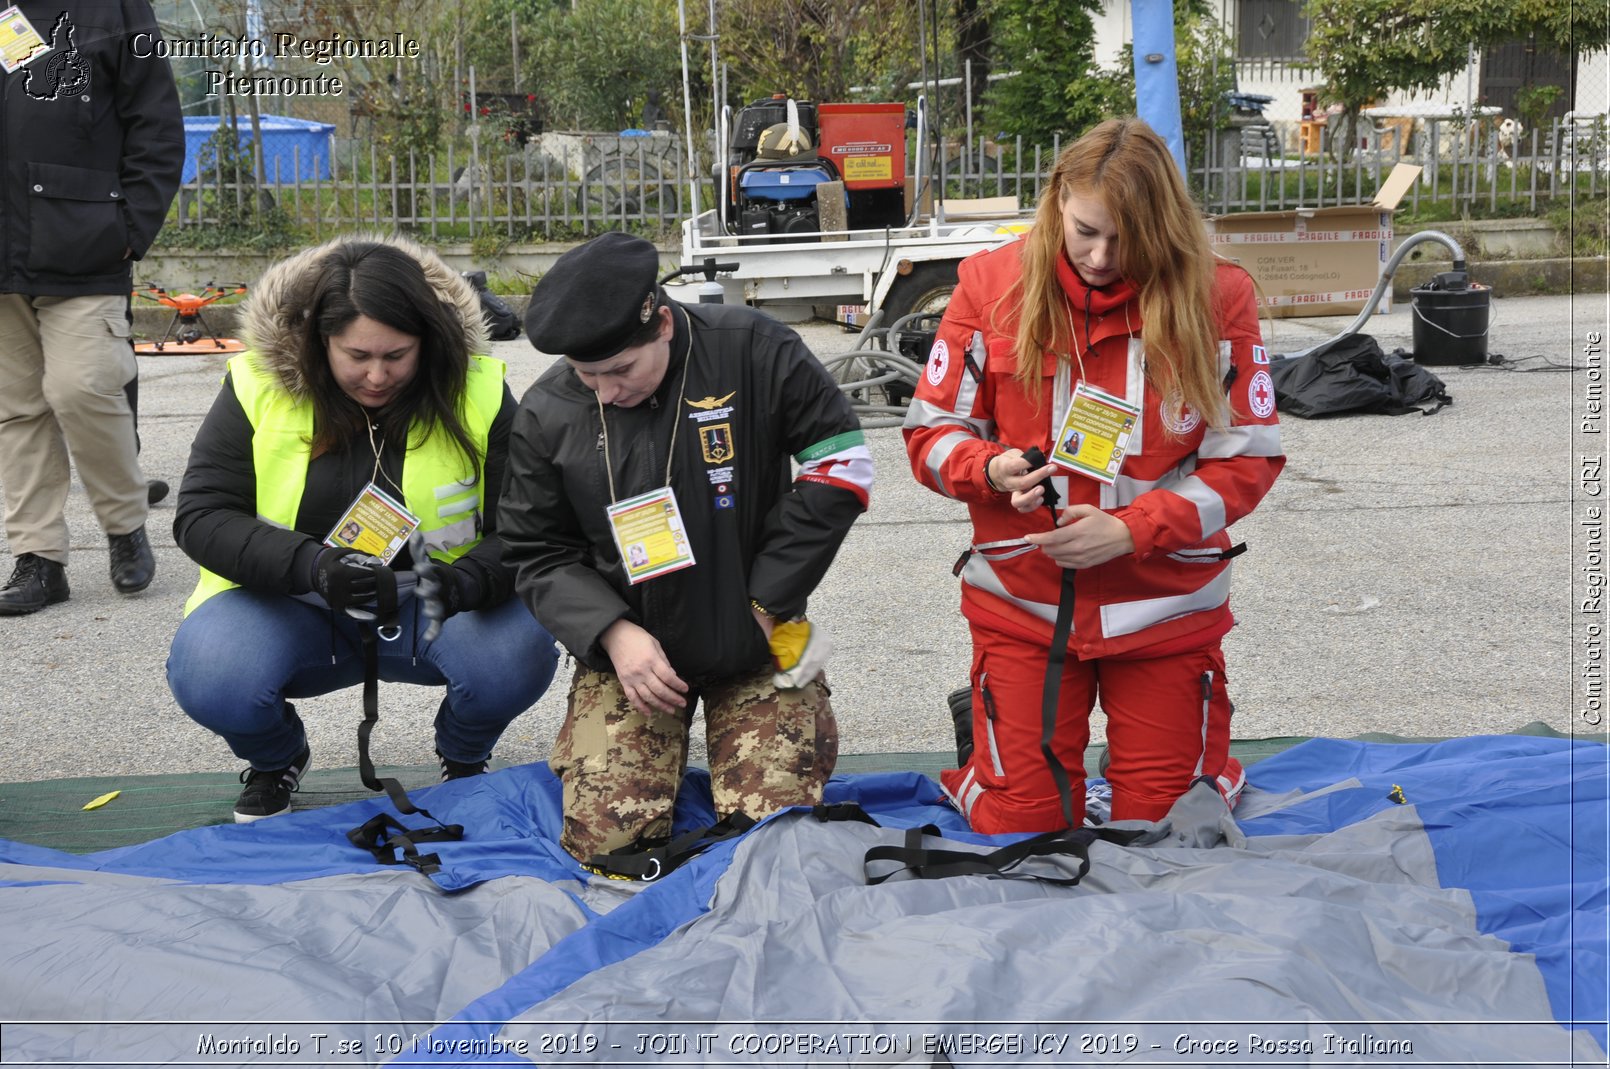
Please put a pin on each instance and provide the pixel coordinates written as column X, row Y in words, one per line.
column 1411, row 575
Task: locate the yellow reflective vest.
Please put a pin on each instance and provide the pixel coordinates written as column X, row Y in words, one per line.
column 439, row 485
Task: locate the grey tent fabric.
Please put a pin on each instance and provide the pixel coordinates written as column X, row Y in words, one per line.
column 383, row 946
column 1287, row 938
column 1199, row 945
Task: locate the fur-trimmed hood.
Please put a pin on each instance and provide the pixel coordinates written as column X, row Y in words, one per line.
column 273, row 312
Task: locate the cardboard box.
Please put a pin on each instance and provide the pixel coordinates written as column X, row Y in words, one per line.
column 1316, row 261
column 852, row 317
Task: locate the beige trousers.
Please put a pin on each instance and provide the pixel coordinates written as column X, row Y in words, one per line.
column 63, row 364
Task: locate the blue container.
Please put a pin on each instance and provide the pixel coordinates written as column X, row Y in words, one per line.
column 795, row 184
column 300, row 149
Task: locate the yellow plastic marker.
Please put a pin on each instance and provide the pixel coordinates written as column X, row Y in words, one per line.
column 103, row 799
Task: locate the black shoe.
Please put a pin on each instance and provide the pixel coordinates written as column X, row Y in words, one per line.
column 960, row 701
column 133, row 566
column 452, row 769
column 155, row 490
column 35, row 582
column 268, row 791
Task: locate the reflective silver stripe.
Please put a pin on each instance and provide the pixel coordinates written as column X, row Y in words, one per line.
column 922, row 414
column 1250, row 440
column 1226, row 358
column 940, row 452
column 966, row 794
column 1061, row 397
column 1126, row 490
column 456, row 507
column 272, row 523
column 1197, row 556
column 1128, row 617
column 994, row 751
column 1207, row 700
column 1209, row 505
column 967, row 393
column 974, row 793
column 1004, row 544
column 989, row 728
column 453, row 489
column 451, row 536
column 1135, row 387
column 978, row 573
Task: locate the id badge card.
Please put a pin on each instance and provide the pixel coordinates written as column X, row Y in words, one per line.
column 1094, row 436
column 649, row 535
column 20, row 43
column 375, row 523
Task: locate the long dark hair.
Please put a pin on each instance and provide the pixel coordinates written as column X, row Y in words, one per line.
column 370, row 278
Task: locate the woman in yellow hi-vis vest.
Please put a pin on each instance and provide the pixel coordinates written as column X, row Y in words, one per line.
column 361, row 414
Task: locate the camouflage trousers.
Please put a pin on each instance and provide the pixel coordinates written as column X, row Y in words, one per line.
column 620, row 768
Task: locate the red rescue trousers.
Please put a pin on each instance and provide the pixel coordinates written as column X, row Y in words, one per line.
column 1168, row 722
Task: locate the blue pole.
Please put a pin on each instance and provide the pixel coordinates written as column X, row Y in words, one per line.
column 1157, row 83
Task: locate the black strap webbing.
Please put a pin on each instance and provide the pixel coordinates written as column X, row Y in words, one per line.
column 372, row 836
column 934, row 864
column 653, row 858
column 1057, row 655
column 827, row 813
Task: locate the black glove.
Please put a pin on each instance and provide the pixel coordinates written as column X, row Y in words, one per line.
column 439, row 587
column 344, row 578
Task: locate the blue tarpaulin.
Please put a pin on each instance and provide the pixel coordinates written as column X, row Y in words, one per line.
column 1394, row 904
column 294, row 149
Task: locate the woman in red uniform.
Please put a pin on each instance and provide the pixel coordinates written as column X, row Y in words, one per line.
column 1113, row 295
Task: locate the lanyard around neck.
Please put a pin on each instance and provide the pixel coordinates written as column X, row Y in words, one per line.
column 374, row 476
column 676, row 419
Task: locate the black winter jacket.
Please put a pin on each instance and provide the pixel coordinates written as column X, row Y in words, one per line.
column 755, row 396
column 216, row 522
column 92, row 145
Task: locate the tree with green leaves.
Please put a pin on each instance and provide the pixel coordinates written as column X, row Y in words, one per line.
column 590, row 63
column 818, row 50
column 1204, row 59
column 1369, row 48
column 1056, row 89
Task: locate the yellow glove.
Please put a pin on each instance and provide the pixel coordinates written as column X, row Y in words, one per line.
column 800, row 652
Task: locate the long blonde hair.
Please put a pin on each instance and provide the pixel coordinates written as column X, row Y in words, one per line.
column 1162, row 250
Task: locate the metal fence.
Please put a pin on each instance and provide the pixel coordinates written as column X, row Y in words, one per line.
column 1475, row 167
column 565, row 186
column 551, row 186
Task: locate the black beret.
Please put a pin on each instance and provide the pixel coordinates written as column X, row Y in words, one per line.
column 595, row 297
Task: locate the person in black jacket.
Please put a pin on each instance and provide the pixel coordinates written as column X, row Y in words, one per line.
column 93, row 147
column 656, row 529
column 361, row 400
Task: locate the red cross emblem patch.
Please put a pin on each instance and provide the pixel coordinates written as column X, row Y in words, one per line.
column 1261, row 394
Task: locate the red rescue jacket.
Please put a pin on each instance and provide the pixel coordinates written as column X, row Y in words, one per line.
column 1177, row 494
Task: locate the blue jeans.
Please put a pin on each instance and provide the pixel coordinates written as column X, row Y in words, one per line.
column 238, row 657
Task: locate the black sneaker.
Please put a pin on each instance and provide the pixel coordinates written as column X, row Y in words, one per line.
column 155, row 490
column 133, row 566
column 452, row 769
column 35, row 582
column 268, row 791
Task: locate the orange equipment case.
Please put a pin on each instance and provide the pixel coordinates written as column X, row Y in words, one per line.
column 866, row 142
